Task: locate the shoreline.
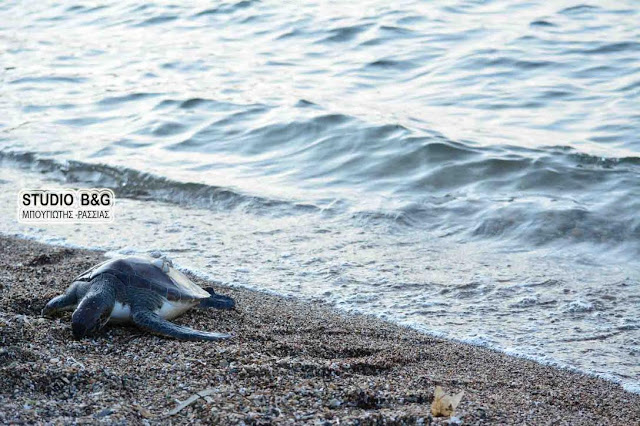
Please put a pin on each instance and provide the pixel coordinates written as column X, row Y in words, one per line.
column 290, row 362
column 205, row 278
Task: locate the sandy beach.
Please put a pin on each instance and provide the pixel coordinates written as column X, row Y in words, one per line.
column 290, row 363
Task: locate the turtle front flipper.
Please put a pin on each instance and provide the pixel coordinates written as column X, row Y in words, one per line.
column 153, row 323
column 217, row 301
column 94, row 310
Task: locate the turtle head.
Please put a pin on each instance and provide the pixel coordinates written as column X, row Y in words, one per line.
column 55, row 305
column 93, row 312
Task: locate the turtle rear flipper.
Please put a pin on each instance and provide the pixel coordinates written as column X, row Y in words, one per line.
column 153, row 323
column 217, row 301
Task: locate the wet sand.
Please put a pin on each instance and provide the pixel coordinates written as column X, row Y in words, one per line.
column 290, row 363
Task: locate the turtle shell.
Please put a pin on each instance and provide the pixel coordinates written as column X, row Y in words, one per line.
column 153, row 274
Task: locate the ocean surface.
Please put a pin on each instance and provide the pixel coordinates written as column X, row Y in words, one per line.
column 467, row 168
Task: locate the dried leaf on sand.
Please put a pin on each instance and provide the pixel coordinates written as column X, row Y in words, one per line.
column 444, row 405
column 191, row 400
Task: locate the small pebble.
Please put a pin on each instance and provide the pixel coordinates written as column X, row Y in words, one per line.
column 104, row 413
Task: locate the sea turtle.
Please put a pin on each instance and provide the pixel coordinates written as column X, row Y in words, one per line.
column 142, row 290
